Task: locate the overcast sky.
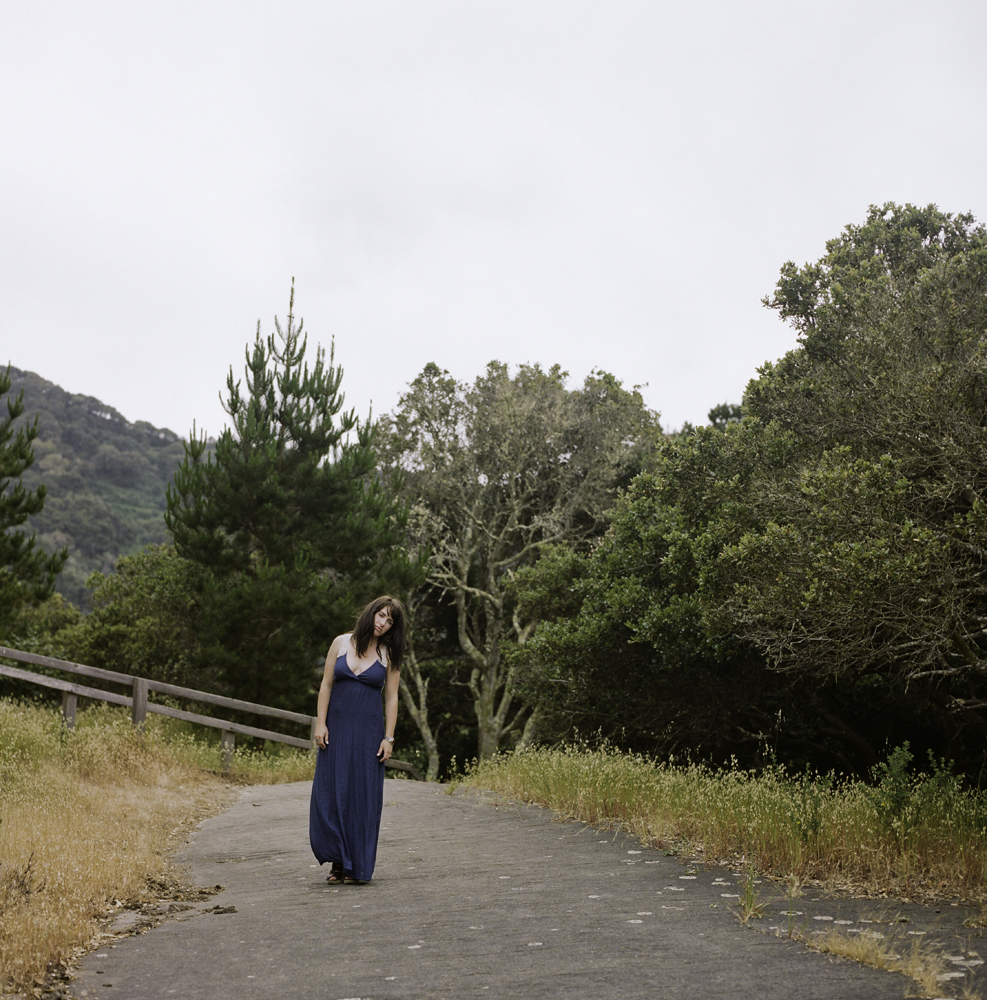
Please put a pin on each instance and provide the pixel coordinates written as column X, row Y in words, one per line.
column 608, row 185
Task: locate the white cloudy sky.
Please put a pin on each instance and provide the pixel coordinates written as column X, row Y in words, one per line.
column 601, row 184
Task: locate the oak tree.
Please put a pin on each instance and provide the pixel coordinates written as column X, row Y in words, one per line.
column 872, row 544
column 495, row 471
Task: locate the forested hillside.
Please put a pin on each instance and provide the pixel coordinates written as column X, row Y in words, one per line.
column 106, row 479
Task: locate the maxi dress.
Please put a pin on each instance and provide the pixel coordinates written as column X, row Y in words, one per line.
column 348, row 790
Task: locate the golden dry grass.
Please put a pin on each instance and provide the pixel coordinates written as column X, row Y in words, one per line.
column 87, row 817
column 933, row 842
column 912, row 958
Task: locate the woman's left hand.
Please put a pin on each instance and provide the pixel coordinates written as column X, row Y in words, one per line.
column 385, row 750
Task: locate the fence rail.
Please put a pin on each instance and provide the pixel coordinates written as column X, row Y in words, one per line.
column 139, row 703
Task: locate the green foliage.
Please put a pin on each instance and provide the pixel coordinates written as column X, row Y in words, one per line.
column 892, row 791
column 494, row 472
column 814, row 567
column 902, row 798
column 106, row 480
column 551, row 588
column 265, row 633
column 868, row 550
column 623, row 648
column 845, row 564
column 284, row 486
column 286, row 520
column 48, row 628
column 725, row 413
column 145, row 619
column 52, row 617
column 27, row 572
column 896, row 243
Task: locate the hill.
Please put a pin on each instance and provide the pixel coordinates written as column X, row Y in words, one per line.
column 106, row 479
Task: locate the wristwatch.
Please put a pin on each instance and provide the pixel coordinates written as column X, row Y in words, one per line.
column 390, row 739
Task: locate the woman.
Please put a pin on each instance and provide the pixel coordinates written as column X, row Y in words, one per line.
column 354, row 738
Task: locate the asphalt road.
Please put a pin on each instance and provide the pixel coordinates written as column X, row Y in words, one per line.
column 470, row 899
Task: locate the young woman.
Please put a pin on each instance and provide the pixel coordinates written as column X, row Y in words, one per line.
column 354, row 738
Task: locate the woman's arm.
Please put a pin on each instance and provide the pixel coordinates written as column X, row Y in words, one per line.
column 325, row 690
column 390, row 712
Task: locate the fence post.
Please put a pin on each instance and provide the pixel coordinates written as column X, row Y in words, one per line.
column 68, row 709
column 229, row 743
column 138, row 711
column 311, row 731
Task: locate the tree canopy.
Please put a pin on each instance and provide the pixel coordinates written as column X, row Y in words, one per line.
column 290, row 482
column 287, row 519
column 494, row 471
column 146, row 618
column 822, row 558
column 27, row 572
column 870, row 546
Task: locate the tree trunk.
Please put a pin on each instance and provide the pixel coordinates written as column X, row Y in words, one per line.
column 419, row 712
column 530, row 730
column 489, row 725
column 488, row 738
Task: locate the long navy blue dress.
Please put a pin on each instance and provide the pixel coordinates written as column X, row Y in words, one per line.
column 348, row 791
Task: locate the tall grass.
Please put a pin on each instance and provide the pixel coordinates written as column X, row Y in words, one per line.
column 907, row 834
column 87, row 817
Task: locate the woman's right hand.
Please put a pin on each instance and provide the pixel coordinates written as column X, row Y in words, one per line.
column 321, row 735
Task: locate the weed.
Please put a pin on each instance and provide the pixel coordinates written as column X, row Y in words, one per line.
column 970, row 992
column 794, row 891
column 908, row 835
column 918, row 960
column 892, row 791
column 750, row 905
column 17, row 884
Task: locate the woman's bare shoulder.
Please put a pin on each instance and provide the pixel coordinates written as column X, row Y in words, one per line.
column 341, row 641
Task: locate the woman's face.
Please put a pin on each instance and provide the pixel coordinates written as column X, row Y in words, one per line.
column 382, row 621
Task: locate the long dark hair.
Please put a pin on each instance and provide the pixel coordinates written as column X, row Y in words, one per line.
column 392, row 640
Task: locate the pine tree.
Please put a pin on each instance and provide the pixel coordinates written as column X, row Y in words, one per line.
column 287, row 516
column 27, row 572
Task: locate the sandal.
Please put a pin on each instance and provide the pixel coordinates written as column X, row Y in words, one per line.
column 335, row 876
column 350, row 880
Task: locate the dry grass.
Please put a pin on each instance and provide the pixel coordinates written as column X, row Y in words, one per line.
column 929, row 840
column 87, row 818
column 912, row 958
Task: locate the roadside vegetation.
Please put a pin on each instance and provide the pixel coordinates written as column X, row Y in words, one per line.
column 88, row 817
column 911, row 833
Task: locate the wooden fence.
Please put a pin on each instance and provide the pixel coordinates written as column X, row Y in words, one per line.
column 139, row 703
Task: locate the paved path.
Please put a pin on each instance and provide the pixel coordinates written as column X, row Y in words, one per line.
column 469, row 900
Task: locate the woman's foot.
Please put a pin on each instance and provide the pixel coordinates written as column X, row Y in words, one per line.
column 335, row 876
column 350, row 880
